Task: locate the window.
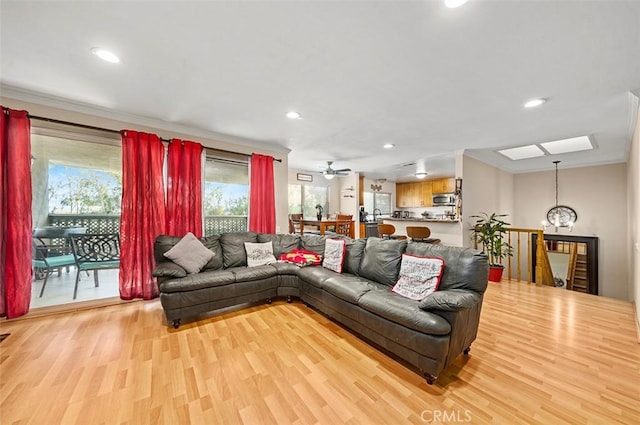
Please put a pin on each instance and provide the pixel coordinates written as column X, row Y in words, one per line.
column 304, row 198
column 226, row 196
column 380, row 200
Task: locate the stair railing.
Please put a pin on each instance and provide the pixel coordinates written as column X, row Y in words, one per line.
column 543, row 273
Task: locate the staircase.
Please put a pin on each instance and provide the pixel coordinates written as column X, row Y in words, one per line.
column 579, row 283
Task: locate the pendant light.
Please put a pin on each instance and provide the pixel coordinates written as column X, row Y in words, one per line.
column 560, row 215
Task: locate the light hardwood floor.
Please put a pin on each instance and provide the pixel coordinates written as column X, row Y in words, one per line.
column 543, row 356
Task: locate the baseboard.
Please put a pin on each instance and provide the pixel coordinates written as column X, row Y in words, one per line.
column 70, row 307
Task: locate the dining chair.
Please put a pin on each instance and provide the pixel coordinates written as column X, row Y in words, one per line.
column 421, row 234
column 344, row 227
column 386, row 231
column 98, row 251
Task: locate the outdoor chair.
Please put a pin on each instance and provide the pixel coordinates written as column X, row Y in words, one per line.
column 95, row 252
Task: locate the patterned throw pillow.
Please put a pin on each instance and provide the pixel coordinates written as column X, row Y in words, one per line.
column 302, row 257
column 259, row 254
column 190, row 254
column 334, row 251
column 419, row 276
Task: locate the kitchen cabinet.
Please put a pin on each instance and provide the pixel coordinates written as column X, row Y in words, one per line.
column 443, row 185
column 417, row 194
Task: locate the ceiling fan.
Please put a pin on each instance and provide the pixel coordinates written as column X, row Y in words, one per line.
column 330, row 173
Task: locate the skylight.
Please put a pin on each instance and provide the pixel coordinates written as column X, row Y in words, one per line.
column 574, row 144
column 522, row 152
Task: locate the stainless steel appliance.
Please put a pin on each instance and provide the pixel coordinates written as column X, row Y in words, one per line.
column 397, row 214
column 444, row 200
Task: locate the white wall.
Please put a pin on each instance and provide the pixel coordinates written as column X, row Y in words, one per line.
column 61, row 113
column 599, row 196
column 633, row 243
column 485, row 189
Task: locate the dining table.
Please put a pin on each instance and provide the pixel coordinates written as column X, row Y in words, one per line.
column 323, row 224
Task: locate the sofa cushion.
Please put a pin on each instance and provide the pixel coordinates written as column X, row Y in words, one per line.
column 189, row 253
column 381, row 260
column 233, row 252
column 213, row 243
column 466, row 268
column 349, row 288
column 403, row 311
column 281, row 243
column 419, row 276
column 451, row 300
column 316, row 275
column 353, row 256
column 205, row 279
column 313, row 243
column 285, row 268
column 259, row 254
column 168, row 269
column 247, row 274
column 334, row 251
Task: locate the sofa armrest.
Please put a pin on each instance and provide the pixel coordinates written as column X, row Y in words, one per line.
column 168, row 269
column 450, row 300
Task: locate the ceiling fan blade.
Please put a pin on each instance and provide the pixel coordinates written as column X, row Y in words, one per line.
column 343, row 170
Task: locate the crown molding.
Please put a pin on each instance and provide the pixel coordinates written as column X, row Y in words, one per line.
column 26, row 95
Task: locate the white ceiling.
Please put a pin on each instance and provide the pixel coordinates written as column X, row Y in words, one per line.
column 431, row 80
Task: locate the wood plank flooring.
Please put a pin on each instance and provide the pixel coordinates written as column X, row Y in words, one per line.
column 543, row 356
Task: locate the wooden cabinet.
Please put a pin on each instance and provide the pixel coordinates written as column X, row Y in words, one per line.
column 413, row 194
column 444, row 185
column 361, row 191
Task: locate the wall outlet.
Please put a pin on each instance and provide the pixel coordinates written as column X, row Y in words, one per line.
column 636, row 246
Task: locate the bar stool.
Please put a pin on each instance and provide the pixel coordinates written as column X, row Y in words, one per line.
column 386, row 231
column 421, row 234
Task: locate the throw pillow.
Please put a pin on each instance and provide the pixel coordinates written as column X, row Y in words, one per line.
column 419, row 276
column 334, row 251
column 190, row 254
column 259, row 254
column 302, row 258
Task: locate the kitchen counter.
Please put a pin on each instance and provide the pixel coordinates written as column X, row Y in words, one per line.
column 448, row 231
column 428, row 220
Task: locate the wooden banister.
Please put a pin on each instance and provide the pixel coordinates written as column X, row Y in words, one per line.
column 543, row 273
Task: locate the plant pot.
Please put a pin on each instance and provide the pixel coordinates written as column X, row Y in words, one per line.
column 495, row 273
column 319, row 216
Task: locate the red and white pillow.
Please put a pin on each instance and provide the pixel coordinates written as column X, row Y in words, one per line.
column 334, row 252
column 419, row 276
column 301, row 258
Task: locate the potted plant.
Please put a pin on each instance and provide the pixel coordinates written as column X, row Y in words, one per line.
column 319, row 211
column 490, row 232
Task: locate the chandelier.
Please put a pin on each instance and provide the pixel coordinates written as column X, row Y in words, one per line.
column 560, row 215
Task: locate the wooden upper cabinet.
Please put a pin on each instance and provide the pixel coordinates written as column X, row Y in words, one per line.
column 444, row 185
column 413, row 194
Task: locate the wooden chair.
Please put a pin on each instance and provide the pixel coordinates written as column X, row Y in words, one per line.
column 344, row 227
column 95, row 252
column 386, row 231
column 295, row 224
column 421, row 234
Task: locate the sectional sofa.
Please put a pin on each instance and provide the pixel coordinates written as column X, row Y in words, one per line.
column 428, row 334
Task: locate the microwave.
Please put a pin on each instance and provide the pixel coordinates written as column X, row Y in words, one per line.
column 444, row 200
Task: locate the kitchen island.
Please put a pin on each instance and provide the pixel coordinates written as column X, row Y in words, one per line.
column 448, row 231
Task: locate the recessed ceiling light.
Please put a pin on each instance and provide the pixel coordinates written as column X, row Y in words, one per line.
column 454, row 3
column 421, row 175
column 294, row 115
column 388, row 145
column 534, row 102
column 574, row 144
column 105, row 55
column 523, row 152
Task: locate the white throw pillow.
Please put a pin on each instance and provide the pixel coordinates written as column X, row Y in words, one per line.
column 259, row 254
column 419, row 276
column 190, row 254
column 334, row 250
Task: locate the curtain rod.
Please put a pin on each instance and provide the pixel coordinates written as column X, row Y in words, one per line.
column 91, row 127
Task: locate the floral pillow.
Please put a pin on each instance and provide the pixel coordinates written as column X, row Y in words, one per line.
column 302, row 258
column 259, row 254
column 334, row 252
column 419, row 276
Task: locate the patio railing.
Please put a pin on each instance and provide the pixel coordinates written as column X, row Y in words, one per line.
column 213, row 224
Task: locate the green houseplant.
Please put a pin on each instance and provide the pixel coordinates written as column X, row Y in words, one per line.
column 489, row 231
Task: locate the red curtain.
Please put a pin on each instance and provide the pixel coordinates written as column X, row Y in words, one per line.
column 15, row 213
column 143, row 213
column 184, row 188
column 262, row 204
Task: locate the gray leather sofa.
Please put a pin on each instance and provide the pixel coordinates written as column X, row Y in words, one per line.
column 428, row 334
